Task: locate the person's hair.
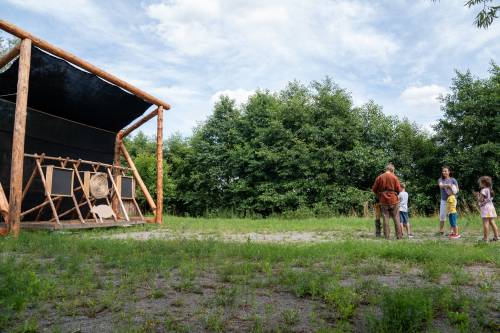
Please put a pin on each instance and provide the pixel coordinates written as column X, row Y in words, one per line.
column 485, row 181
column 403, row 185
column 390, row 167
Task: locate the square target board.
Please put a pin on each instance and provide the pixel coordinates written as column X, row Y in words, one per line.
column 126, row 186
column 59, row 181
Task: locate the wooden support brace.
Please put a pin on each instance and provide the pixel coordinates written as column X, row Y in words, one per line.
column 126, row 131
column 138, row 178
column 49, row 198
column 89, row 204
column 43, row 204
column 10, row 55
column 118, row 195
column 32, row 177
column 4, row 205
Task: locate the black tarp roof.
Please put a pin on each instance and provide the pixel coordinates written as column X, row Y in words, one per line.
column 58, row 88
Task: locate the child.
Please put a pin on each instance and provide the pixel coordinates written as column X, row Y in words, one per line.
column 451, row 210
column 488, row 213
column 403, row 210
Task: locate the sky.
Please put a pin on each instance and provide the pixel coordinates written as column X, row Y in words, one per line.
column 400, row 54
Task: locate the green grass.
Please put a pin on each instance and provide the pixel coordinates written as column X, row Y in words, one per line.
column 185, row 285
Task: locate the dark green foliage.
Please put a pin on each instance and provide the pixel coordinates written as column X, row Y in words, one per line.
column 469, row 134
column 307, row 151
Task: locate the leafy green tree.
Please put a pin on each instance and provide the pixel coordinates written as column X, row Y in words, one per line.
column 486, row 15
column 469, row 133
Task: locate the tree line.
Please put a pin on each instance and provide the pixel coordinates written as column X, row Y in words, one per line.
column 308, row 151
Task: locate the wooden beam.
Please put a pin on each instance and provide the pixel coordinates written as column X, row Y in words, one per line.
column 118, row 195
column 139, row 123
column 98, row 164
column 44, row 45
column 17, row 159
column 9, row 56
column 49, row 198
column 159, row 166
column 138, row 178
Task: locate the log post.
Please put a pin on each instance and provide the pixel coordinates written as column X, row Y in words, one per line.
column 17, row 162
column 115, row 204
column 159, row 166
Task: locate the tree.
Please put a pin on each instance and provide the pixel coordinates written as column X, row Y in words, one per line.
column 469, row 133
column 486, row 15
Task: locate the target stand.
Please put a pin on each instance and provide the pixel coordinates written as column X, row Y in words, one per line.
column 85, row 188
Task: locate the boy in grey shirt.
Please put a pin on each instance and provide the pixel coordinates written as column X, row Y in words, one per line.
column 403, row 211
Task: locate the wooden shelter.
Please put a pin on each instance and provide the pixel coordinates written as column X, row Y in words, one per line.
column 62, row 124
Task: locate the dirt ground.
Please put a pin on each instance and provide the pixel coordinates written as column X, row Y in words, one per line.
column 209, row 302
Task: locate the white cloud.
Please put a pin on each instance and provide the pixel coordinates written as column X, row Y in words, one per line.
column 423, row 96
column 189, row 52
column 262, row 31
column 239, row 95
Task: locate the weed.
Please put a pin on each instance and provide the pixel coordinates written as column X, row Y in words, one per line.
column 226, row 296
column 214, row 321
column 290, row 317
column 404, row 310
column 175, row 326
column 432, row 271
column 460, row 277
column 460, row 320
column 344, row 299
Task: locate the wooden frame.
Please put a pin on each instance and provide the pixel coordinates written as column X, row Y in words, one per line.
column 53, row 200
column 17, row 193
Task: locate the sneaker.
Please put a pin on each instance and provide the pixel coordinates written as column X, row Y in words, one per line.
column 494, row 239
column 455, row 236
column 410, row 236
column 482, row 240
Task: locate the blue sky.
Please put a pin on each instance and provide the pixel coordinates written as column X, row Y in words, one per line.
column 401, row 54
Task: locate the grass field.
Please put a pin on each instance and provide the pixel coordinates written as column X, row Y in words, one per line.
column 218, row 275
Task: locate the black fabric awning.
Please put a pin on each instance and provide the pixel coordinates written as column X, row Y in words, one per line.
column 63, row 90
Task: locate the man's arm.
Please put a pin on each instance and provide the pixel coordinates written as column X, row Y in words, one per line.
column 376, row 185
column 398, row 186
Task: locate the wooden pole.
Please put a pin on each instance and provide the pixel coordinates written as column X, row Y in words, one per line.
column 12, row 29
column 138, row 178
column 159, row 166
column 48, row 195
column 136, row 125
column 9, row 56
column 118, row 194
column 17, row 162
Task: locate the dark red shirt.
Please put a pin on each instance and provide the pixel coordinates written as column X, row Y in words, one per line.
column 387, row 187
